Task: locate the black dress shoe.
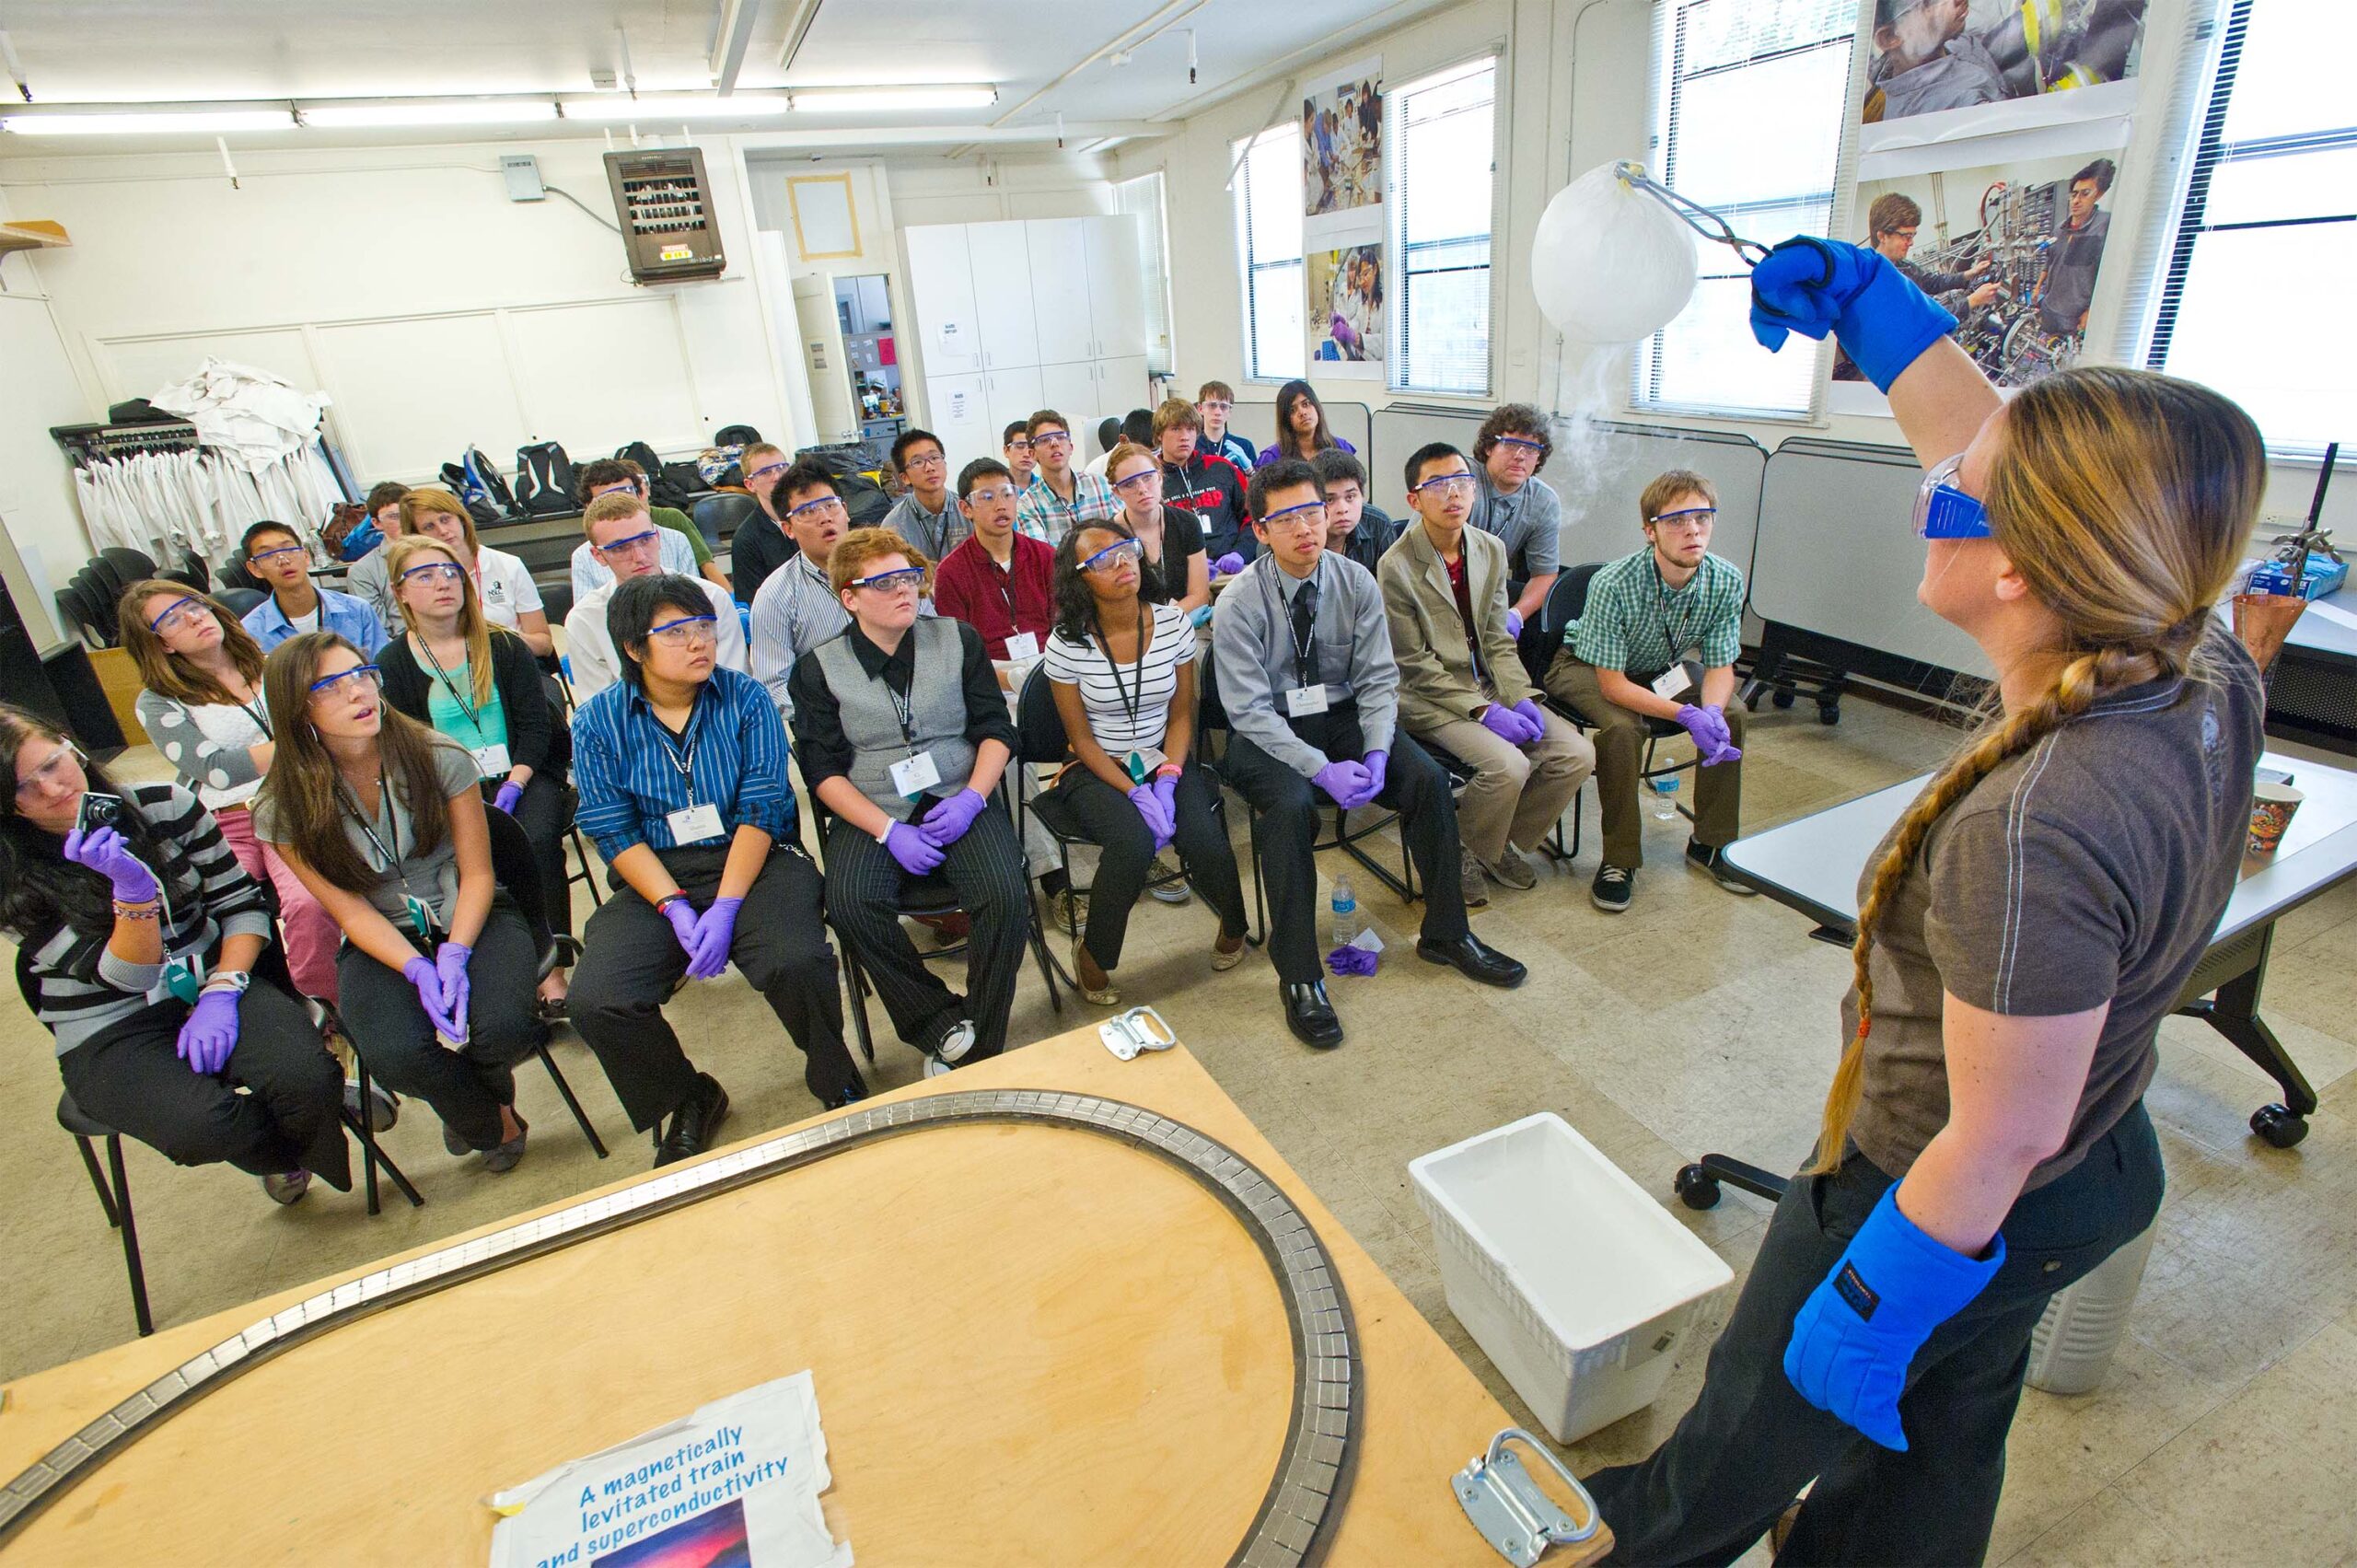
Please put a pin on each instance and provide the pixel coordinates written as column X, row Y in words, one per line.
column 1473, row 959
column 851, row 1093
column 695, row 1122
column 1310, row 1017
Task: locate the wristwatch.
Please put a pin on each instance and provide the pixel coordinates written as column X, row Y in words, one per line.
column 230, row 979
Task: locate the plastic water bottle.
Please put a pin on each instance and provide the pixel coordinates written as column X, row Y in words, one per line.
column 1347, row 924
column 1665, row 797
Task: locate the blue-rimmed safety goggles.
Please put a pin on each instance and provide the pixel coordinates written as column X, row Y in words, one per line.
column 1944, row 511
column 1301, row 511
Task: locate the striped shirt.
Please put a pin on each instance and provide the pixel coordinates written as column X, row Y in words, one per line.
column 1109, row 691
column 633, row 772
column 1636, row 623
column 1040, row 513
column 79, row 988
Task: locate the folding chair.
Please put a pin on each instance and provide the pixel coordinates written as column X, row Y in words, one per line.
column 1564, row 602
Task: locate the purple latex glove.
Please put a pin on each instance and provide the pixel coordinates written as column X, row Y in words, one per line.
column 1513, row 623
column 451, row 963
column 508, row 796
column 716, row 930
column 1375, row 763
column 682, row 916
column 1345, row 780
column 916, row 853
column 1347, row 959
column 420, row 972
column 1709, row 730
column 1507, row 725
column 948, row 822
column 1227, row 565
column 1342, row 332
column 1149, row 804
column 1726, row 750
column 1528, row 709
column 1166, row 790
column 210, row 1032
column 105, row 853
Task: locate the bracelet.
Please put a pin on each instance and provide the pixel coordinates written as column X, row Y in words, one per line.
column 1168, row 771
column 148, row 910
column 668, row 900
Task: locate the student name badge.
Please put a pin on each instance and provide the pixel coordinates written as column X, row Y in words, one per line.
column 1143, row 763
column 1023, row 647
column 913, row 776
column 1676, row 681
column 1303, row 700
column 491, row 760
column 693, row 824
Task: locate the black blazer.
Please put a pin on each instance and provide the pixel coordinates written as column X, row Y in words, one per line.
column 535, row 737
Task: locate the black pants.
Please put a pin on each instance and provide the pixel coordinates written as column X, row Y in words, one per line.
column 1288, row 806
column 130, row 1076
column 1125, row 855
column 984, row 868
column 1750, row 1442
column 467, row 1087
column 544, row 811
column 632, row 959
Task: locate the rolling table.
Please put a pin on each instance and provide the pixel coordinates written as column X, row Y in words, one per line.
column 1812, row 864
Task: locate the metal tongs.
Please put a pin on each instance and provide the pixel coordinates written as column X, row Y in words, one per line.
column 1699, row 218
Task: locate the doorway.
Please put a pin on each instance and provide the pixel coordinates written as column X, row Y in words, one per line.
column 864, row 306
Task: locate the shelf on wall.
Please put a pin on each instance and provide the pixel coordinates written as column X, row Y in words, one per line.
column 33, row 234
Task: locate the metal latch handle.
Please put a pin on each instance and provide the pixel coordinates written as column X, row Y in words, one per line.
column 1507, row 1506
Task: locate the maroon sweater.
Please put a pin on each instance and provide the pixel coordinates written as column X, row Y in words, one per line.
column 968, row 587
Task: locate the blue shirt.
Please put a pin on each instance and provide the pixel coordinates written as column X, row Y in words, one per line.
column 349, row 618
column 633, row 772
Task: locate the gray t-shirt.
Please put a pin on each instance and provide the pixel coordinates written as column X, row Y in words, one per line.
column 432, row 875
column 1529, row 523
column 2071, row 275
column 2091, row 868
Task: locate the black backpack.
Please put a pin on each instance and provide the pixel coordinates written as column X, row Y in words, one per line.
column 476, row 481
column 544, row 479
column 663, row 486
column 864, row 499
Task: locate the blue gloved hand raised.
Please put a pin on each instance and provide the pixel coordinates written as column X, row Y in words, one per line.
column 948, row 822
column 1854, row 1336
column 1345, row 780
column 108, row 853
column 1813, row 286
column 1508, row 725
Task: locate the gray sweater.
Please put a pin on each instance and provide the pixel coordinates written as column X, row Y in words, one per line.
column 1252, row 641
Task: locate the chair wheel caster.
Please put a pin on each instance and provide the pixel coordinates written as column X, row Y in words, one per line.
column 1696, row 1187
column 1828, row 714
column 1782, row 699
column 2276, row 1124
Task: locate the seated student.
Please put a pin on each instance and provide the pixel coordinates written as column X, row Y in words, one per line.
column 276, row 557
column 926, row 515
column 366, row 580
column 624, row 540
column 202, row 707
column 1172, row 538
column 997, row 582
column 1654, row 620
column 1213, row 402
column 1208, row 487
column 1518, row 506
column 683, row 785
column 1015, row 443
column 1136, row 427
column 503, row 583
column 1300, row 427
column 903, row 733
column 139, row 940
column 456, row 673
column 381, row 820
column 1353, row 529
column 797, row 607
column 1461, row 682
column 1310, row 686
column 684, row 550
column 1059, row 495
column 1122, row 670
column 759, row 545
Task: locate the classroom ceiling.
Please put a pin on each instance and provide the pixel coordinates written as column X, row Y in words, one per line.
column 1110, row 64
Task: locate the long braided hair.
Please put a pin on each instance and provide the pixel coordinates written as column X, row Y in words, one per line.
column 2123, row 498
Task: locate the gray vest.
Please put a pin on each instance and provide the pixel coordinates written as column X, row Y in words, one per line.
column 936, row 714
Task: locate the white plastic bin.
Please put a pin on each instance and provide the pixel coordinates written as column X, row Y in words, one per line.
column 2070, row 1349
column 1567, row 1273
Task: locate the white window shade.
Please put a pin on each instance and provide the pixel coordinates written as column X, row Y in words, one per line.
column 1441, row 163
column 1141, row 198
column 1268, row 244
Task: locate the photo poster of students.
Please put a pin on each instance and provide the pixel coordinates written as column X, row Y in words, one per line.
column 1341, row 147
column 1346, row 311
column 1940, row 70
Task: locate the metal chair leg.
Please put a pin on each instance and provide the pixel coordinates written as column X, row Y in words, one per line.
column 571, row 1104
column 368, row 1155
column 360, row 1129
column 97, row 1182
column 130, row 1236
column 856, row 982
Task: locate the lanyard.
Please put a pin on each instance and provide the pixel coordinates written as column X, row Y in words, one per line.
column 682, row 759
column 369, row 829
column 450, row 686
column 1302, row 645
column 1132, row 702
column 1675, row 641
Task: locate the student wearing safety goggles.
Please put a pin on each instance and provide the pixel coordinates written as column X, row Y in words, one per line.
column 625, row 540
column 797, row 607
column 1204, row 485
column 761, row 544
column 684, row 550
column 1308, row 679
column 996, row 581
column 283, row 563
column 1517, row 506
column 1060, row 495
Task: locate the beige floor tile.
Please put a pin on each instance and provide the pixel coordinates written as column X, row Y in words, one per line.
column 2106, row 1530
column 2262, row 1478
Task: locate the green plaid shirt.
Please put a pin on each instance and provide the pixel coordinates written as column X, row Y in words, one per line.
column 1635, row 623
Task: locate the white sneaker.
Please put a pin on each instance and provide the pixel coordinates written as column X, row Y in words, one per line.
column 957, row 1042
column 934, row 1067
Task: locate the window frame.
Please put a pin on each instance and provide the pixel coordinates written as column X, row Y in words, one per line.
column 1394, row 243
column 1242, row 150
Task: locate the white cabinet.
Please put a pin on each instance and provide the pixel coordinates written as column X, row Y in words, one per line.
column 1009, row 395
column 941, row 277
column 1116, row 289
column 1071, row 389
column 1060, row 289
column 1122, row 384
column 959, row 413
column 1001, row 261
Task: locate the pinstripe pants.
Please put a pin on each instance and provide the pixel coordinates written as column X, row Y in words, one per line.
column 985, row 869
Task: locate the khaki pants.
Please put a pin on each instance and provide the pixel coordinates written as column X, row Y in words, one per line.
column 1620, row 738
column 1517, row 791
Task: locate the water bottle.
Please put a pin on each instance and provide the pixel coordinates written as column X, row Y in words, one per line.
column 1346, row 913
column 1665, row 797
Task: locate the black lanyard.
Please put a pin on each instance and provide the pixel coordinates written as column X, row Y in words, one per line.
column 1302, row 646
column 450, row 686
column 391, row 857
column 1132, row 702
column 1665, row 601
column 683, row 758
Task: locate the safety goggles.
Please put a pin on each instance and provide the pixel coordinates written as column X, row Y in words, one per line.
column 1515, row 443
column 1689, row 520
column 1112, row 555
column 1137, row 482
column 1944, row 511
column 687, row 630
column 366, row 677
column 1446, row 484
column 434, row 571
column 991, row 496
column 892, row 582
column 259, row 556
column 630, row 546
column 1300, row 514
column 824, row 506
column 178, row 613
column 1051, row 439
column 764, row 471
column 34, row 782
column 1213, row 405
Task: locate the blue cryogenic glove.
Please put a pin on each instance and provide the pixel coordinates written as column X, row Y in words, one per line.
column 1508, row 725
column 1854, row 1336
column 210, row 1032
column 1811, row 286
column 1345, row 780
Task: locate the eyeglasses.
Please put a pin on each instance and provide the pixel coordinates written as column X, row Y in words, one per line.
column 258, row 557
column 927, row 461
column 1211, row 406
column 1533, row 447
column 1692, row 519
column 1112, row 555
column 991, row 496
column 1945, row 511
column 689, row 631
column 368, row 675
column 1139, row 479
column 892, row 582
column 764, row 471
column 1309, row 511
column 630, row 546
column 435, row 572
column 1446, row 485
column 824, row 506
column 178, row 613
column 1051, row 439
column 1020, row 443
column 32, row 784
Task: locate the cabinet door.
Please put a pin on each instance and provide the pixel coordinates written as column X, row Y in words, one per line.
column 960, row 414
column 1071, row 389
column 948, row 335
column 1116, row 286
column 1122, row 384
column 1060, row 289
column 1008, row 395
column 1001, row 258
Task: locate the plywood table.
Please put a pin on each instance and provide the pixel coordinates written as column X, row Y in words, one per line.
column 1031, row 1345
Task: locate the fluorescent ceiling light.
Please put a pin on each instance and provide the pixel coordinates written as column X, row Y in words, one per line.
column 137, row 122
column 656, row 109
column 461, row 111
column 842, row 100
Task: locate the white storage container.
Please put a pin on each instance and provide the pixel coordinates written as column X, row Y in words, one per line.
column 1567, row 1273
column 2070, row 1349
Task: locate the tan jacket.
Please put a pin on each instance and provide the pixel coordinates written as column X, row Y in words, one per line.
column 1436, row 679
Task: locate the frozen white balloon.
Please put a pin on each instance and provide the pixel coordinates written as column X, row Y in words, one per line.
column 1611, row 264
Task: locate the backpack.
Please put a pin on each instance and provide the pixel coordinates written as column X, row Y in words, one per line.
column 544, row 479
column 476, row 481
column 864, row 499
column 351, row 533
column 663, row 486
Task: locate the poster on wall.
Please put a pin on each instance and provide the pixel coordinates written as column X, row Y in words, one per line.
column 1346, row 311
column 1947, row 70
column 1342, row 153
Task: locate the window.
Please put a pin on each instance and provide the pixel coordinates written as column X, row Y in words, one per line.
column 1141, row 198
column 2254, row 297
column 1442, row 179
column 1750, row 101
column 1268, row 245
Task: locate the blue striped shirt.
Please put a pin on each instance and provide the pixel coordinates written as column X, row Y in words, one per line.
column 633, row 772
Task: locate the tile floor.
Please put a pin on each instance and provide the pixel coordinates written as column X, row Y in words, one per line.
column 1696, row 1021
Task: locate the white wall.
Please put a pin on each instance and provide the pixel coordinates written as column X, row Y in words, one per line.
column 37, row 389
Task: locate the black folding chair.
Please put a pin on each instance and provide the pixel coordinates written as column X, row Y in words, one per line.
column 1564, row 602
column 515, row 868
